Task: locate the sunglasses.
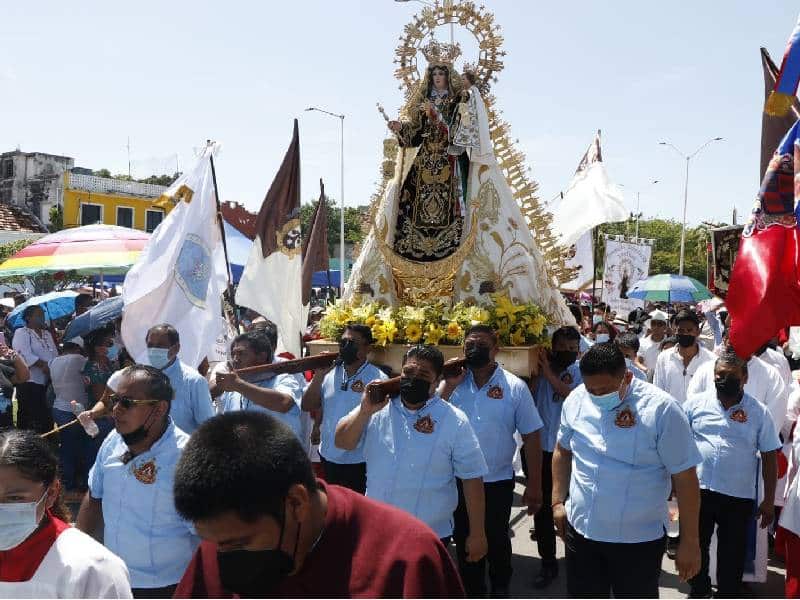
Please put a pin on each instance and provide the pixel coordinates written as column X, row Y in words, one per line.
column 127, row 402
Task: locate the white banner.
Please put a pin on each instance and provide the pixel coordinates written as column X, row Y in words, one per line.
column 625, row 264
column 580, row 257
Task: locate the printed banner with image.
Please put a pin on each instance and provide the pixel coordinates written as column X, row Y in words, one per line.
column 724, row 246
column 625, row 264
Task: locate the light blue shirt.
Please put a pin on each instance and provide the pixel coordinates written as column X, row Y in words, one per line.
column 549, row 404
column 637, row 372
column 142, row 526
column 729, row 442
column 415, row 467
column 285, row 383
column 337, row 403
column 495, row 411
column 192, row 402
column 622, row 460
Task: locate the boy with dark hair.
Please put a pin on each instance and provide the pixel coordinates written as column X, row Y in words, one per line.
column 628, row 343
column 559, row 375
column 498, row 405
column 730, row 428
column 337, row 391
column 416, row 445
column 622, row 446
column 271, row 530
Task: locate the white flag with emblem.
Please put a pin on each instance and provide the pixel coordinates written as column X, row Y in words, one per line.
column 181, row 274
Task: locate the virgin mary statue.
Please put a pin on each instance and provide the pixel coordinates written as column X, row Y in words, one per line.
column 447, row 226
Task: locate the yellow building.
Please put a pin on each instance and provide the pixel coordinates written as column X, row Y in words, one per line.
column 88, row 199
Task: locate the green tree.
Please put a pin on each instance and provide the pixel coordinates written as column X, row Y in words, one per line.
column 666, row 248
column 56, row 219
column 353, row 231
column 165, row 180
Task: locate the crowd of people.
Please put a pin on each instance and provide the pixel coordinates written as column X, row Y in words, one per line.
column 348, row 482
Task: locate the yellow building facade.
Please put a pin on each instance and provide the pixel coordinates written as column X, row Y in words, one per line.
column 88, row 199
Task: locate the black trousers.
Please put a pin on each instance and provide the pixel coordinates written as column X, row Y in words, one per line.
column 731, row 516
column 162, row 592
column 33, row 411
column 597, row 569
column 543, row 519
column 499, row 498
column 349, row 476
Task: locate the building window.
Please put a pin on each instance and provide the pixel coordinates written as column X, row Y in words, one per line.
column 91, row 214
column 8, row 169
column 152, row 219
column 124, row 216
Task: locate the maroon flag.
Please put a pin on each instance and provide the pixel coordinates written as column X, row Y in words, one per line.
column 315, row 244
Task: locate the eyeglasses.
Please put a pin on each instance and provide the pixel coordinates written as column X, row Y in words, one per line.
column 127, row 402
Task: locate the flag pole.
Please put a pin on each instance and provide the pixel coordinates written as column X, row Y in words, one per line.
column 594, row 266
column 231, row 296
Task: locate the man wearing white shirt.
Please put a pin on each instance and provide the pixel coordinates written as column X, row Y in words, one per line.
column 676, row 366
column 774, row 356
column 650, row 345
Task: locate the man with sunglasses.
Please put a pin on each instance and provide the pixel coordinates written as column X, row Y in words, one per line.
column 338, row 391
column 130, row 486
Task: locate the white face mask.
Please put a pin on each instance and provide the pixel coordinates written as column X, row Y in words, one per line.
column 17, row 521
column 601, row 338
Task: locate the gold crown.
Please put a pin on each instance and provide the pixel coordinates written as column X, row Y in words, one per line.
column 440, row 53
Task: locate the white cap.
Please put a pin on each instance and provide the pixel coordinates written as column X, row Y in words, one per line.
column 659, row 315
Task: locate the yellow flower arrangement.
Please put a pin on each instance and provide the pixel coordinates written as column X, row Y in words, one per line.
column 413, row 332
column 516, row 323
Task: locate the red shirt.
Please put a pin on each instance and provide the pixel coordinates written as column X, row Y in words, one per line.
column 367, row 550
column 20, row 563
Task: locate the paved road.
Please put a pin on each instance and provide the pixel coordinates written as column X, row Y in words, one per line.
column 526, row 565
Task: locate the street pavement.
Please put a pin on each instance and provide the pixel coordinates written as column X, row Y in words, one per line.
column 526, row 565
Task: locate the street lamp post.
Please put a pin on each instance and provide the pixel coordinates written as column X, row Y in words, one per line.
column 342, row 265
column 687, row 158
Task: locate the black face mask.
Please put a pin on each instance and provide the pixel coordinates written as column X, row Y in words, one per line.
column 348, row 351
column 686, row 340
column 255, row 573
column 477, row 356
column 413, row 390
column 729, row 387
column 138, row 434
column 564, row 358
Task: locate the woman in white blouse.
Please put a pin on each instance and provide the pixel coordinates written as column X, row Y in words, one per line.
column 37, row 348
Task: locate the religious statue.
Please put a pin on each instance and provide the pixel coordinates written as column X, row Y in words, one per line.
column 430, row 214
column 447, row 226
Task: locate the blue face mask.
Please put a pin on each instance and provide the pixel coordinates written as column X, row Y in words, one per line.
column 113, row 352
column 158, row 357
column 606, row 401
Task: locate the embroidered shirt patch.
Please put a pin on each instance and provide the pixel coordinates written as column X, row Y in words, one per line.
column 625, row 418
column 739, row 416
column 146, row 472
column 424, row 424
column 495, row 392
column 357, row 386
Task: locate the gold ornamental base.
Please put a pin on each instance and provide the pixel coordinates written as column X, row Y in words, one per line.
column 523, row 361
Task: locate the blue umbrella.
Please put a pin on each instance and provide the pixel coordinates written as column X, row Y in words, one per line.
column 94, row 318
column 669, row 288
column 54, row 304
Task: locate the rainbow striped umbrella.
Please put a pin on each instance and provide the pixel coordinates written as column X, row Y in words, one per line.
column 89, row 250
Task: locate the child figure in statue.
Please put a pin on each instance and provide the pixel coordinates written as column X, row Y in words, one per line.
column 465, row 119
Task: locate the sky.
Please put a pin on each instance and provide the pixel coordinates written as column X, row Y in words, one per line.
column 82, row 78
